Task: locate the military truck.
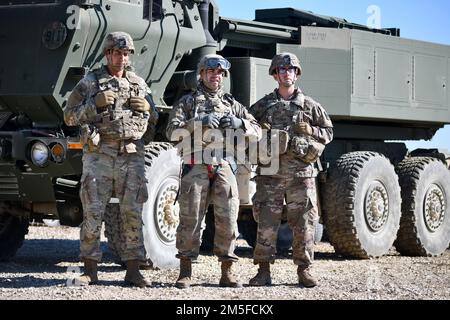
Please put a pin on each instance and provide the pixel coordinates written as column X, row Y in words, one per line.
column 377, row 87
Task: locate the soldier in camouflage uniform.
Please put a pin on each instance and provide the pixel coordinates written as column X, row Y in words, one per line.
column 114, row 108
column 309, row 129
column 209, row 107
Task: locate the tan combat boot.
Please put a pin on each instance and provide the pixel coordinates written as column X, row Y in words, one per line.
column 90, row 273
column 228, row 279
column 184, row 280
column 262, row 278
column 133, row 277
column 305, row 278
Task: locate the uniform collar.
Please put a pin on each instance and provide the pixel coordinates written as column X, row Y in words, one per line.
column 297, row 98
column 208, row 93
column 105, row 73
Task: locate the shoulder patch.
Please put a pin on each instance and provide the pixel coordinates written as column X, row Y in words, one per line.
column 310, row 103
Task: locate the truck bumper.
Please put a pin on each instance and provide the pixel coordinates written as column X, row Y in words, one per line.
column 25, row 186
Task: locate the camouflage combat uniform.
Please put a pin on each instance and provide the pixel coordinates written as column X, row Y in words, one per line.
column 114, row 166
column 202, row 183
column 294, row 182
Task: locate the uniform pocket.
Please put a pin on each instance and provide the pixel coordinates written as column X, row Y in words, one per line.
column 257, row 201
column 185, row 188
column 259, row 196
column 311, row 210
column 142, row 192
column 88, row 189
column 226, row 191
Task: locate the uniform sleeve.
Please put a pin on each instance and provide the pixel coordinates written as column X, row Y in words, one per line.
column 251, row 125
column 154, row 116
column 321, row 124
column 80, row 108
column 257, row 110
column 180, row 117
column 152, row 120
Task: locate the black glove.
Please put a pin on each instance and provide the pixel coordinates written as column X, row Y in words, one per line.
column 211, row 121
column 231, row 122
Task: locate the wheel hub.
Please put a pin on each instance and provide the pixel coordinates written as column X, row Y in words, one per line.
column 376, row 206
column 167, row 211
column 434, row 208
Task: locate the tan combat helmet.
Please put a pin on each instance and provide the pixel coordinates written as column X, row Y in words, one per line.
column 118, row 40
column 285, row 60
column 213, row 61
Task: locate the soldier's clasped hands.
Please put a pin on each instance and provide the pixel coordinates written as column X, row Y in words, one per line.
column 303, row 128
column 211, row 121
column 230, row 122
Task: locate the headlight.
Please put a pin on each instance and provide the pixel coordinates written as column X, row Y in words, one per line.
column 39, row 154
column 58, row 152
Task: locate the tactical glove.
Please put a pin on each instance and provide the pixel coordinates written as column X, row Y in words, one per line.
column 211, row 121
column 303, row 128
column 266, row 125
column 231, row 122
column 104, row 99
column 139, row 104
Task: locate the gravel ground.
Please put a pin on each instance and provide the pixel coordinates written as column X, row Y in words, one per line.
column 43, row 267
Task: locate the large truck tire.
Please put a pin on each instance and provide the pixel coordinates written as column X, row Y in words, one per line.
column 362, row 207
column 425, row 223
column 248, row 229
column 161, row 212
column 285, row 236
column 12, row 233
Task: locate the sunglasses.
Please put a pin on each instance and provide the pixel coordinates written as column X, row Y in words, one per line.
column 290, row 70
column 215, row 63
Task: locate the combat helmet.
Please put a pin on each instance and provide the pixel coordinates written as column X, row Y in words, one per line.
column 118, row 40
column 213, row 61
column 285, row 60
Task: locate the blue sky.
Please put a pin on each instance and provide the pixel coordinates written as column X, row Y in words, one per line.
column 417, row 19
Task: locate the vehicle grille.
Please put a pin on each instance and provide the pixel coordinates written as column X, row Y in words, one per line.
column 8, row 184
column 4, row 116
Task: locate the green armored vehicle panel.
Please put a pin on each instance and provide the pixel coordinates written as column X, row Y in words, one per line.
column 363, row 76
column 376, row 86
